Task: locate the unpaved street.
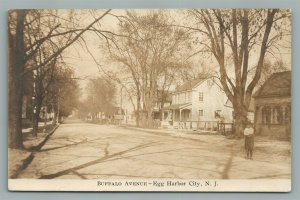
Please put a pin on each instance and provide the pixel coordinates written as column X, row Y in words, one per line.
column 80, row 150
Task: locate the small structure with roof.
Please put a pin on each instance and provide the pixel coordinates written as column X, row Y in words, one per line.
column 273, row 106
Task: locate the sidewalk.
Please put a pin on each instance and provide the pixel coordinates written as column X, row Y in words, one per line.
column 19, row 159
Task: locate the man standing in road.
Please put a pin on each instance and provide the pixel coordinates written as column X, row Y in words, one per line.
column 249, row 140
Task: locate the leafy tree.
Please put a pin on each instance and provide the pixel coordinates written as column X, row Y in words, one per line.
column 63, row 93
column 101, row 95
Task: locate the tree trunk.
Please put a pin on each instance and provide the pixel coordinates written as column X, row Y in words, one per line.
column 36, row 116
column 138, row 106
column 15, row 115
column 54, row 114
column 240, row 121
column 150, row 119
column 54, row 120
column 16, row 65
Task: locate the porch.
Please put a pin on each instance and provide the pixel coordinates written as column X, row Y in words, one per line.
column 174, row 114
column 179, row 116
column 273, row 120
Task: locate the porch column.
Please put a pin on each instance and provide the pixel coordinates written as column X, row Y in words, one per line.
column 272, row 114
column 283, row 120
column 180, row 115
column 163, row 116
column 173, row 116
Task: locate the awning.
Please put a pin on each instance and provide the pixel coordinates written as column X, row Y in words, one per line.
column 178, row 106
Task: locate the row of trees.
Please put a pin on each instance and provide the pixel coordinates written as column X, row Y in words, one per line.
column 153, row 51
column 37, row 41
column 54, row 89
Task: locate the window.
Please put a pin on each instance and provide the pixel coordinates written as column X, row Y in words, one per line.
column 200, row 96
column 200, row 113
column 218, row 113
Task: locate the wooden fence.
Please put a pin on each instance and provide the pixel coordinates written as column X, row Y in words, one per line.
column 222, row 127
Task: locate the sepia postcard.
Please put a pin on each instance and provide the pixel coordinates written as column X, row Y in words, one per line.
column 192, row 100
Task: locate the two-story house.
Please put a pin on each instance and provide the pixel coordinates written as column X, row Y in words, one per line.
column 197, row 104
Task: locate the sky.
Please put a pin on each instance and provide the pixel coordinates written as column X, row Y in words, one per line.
column 85, row 67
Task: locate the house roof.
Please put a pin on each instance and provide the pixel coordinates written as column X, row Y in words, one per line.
column 189, row 85
column 278, row 85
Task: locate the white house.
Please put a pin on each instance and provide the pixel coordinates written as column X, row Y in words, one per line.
column 197, row 104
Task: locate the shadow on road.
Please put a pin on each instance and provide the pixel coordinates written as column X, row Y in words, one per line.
column 106, row 157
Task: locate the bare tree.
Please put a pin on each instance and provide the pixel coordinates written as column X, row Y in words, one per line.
column 22, row 48
column 152, row 54
column 236, row 37
column 43, row 78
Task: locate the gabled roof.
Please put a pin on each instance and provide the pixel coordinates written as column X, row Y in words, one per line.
column 189, row 85
column 278, row 85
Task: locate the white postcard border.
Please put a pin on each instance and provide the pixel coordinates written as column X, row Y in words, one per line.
column 153, row 185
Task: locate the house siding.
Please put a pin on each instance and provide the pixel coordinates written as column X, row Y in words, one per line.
column 213, row 100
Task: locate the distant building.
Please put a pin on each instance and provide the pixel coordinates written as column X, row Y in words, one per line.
column 197, row 104
column 273, row 106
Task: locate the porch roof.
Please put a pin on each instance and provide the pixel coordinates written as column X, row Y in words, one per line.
column 178, row 106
